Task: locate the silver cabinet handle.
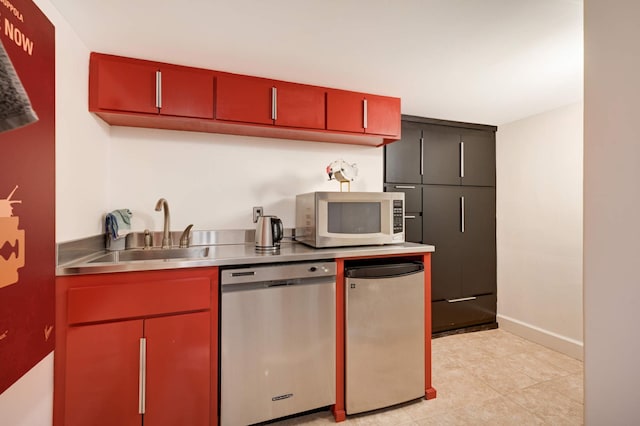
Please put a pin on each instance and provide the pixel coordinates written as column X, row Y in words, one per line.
column 365, row 114
column 143, row 376
column 461, row 159
column 404, row 186
column 274, row 103
column 462, row 299
column 410, row 217
column 461, row 214
column 158, row 89
column 421, row 156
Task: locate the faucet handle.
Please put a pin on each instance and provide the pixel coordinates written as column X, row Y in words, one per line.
column 185, row 239
column 148, row 239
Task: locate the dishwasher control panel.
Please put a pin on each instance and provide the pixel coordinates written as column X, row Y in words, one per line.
column 278, row 272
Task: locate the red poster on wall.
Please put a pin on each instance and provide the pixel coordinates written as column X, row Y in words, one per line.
column 27, row 188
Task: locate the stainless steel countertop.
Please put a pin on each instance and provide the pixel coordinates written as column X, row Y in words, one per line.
column 238, row 254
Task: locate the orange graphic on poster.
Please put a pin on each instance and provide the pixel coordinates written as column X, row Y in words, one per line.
column 11, row 242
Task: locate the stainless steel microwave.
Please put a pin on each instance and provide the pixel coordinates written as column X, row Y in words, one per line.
column 336, row 219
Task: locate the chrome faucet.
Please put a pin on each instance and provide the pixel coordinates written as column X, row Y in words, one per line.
column 166, row 234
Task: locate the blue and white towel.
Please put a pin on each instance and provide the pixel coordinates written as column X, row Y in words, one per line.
column 118, row 223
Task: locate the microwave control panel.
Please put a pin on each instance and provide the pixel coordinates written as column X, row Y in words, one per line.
column 398, row 216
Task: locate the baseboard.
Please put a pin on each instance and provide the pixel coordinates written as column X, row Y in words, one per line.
column 565, row 345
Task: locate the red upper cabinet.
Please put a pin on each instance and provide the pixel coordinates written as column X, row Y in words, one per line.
column 363, row 113
column 383, row 115
column 243, row 98
column 298, row 105
column 118, row 84
column 140, row 93
column 186, row 92
column 122, row 84
column 256, row 100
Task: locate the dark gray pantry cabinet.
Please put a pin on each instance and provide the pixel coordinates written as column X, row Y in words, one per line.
column 447, row 171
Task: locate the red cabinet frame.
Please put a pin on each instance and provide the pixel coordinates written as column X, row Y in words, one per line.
column 175, row 310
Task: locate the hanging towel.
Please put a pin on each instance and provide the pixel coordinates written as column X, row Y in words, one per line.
column 118, row 223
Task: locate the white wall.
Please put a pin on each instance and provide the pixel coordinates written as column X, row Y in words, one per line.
column 29, row 402
column 611, row 208
column 81, row 139
column 213, row 180
column 539, row 228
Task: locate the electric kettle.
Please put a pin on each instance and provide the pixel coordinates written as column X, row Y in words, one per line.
column 269, row 232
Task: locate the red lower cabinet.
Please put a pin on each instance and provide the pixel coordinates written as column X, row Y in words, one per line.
column 102, row 374
column 178, row 375
column 137, row 349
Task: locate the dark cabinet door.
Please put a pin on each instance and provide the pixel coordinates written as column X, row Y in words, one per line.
column 479, row 241
column 441, row 155
column 442, row 228
column 402, row 158
column 412, row 195
column 413, row 227
column 479, row 157
column 412, row 209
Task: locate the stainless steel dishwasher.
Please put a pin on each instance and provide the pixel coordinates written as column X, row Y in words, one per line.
column 277, row 341
column 385, row 335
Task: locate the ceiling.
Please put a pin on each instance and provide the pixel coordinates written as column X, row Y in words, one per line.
column 489, row 61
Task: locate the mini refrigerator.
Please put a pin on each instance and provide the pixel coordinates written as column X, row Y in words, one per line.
column 385, row 335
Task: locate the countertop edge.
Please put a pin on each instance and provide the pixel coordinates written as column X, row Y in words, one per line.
column 245, row 254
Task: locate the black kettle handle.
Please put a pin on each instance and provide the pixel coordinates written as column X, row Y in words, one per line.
column 278, row 229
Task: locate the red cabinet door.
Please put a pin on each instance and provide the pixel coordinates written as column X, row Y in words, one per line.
column 383, row 115
column 345, row 111
column 300, row 106
column 130, row 85
column 102, row 366
column 122, row 84
column 253, row 100
column 178, row 386
column 244, row 99
column 186, row 92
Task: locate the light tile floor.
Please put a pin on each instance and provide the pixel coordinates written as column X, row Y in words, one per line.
column 486, row 378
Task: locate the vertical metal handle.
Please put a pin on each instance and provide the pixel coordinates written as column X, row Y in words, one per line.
column 142, row 378
column 461, row 214
column 365, row 114
column 274, row 103
column 158, row 89
column 421, row 156
column 461, row 159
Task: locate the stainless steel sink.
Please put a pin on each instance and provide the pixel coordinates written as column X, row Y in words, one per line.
column 153, row 254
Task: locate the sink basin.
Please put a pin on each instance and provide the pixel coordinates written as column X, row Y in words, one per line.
column 153, row 254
